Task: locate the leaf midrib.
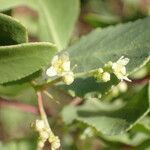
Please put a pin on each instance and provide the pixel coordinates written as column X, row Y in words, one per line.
column 50, row 24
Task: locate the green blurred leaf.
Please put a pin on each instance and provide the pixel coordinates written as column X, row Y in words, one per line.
column 100, row 13
column 126, row 138
column 11, row 31
column 5, row 5
column 56, row 18
column 130, row 40
column 144, row 145
column 97, row 20
column 143, row 126
column 22, row 144
column 13, row 90
column 22, row 60
column 110, row 120
column 16, row 121
column 30, row 22
column 94, row 50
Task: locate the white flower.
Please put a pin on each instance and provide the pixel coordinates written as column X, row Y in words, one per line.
column 119, row 68
column 68, row 78
column 66, row 66
column 105, row 76
column 59, row 65
column 39, row 125
column 55, row 142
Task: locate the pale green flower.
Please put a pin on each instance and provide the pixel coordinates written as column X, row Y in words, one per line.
column 119, row 68
column 60, row 66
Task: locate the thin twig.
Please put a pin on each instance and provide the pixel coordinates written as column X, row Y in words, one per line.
column 75, row 101
column 19, row 105
column 41, row 109
column 44, row 86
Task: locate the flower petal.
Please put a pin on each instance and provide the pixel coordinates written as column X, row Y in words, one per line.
column 51, row 72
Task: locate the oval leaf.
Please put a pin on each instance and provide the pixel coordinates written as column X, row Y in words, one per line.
column 56, row 18
column 131, row 40
column 11, row 31
column 108, row 119
column 22, row 60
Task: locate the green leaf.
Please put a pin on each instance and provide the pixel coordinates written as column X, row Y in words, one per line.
column 94, row 50
column 5, row 5
column 108, row 119
column 143, row 126
column 56, row 18
column 19, row 61
column 22, row 144
column 11, row 31
column 21, row 92
column 100, row 46
column 100, row 14
column 13, row 90
column 16, row 121
column 126, row 138
column 82, row 86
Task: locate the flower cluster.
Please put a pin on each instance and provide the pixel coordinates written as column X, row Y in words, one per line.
column 102, row 75
column 118, row 68
column 46, row 134
column 60, row 66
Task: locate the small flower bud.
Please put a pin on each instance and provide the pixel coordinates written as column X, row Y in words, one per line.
column 39, row 125
column 68, row 78
column 100, row 70
column 44, row 135
column 102, row 76
column 55, row 142
column 41, row 143
column 108, row 67
column 114, row 91
column 123, row 87
column 105, row 76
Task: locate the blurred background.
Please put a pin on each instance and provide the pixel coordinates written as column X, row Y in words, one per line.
column 15, row 130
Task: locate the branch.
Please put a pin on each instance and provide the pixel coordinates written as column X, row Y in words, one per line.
column 19, row 105
column 75, row 101
column 44, row 86
column 41, row 108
